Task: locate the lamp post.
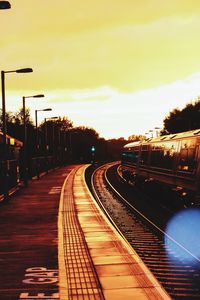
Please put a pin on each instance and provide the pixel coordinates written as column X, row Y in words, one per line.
column 25, row 136
column 5, row 5
column 4, row 129
column 37, row 137
column 157, row 129
column 45, row 121
column 46, row 139
column 151, row 131
column 36, row 124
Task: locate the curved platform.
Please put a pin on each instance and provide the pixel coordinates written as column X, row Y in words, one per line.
column 95, row 262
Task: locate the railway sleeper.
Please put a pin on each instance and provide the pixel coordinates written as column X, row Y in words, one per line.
column 176, row 277
column 170, row 266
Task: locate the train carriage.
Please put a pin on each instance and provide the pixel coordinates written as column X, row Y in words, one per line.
column 171, row 160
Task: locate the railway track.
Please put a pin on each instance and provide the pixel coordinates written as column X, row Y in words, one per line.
column 181, row 280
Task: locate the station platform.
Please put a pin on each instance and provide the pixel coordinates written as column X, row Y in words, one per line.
column 95, row 261
column 55, row 243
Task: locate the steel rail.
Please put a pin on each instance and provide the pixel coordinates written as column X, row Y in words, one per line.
column 149, row 221
column 180, row 280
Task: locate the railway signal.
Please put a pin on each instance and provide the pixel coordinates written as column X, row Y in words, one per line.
column 93, row 149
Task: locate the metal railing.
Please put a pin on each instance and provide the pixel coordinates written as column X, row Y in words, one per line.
column 15, row 170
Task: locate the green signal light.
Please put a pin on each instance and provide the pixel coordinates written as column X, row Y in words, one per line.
column 93, row 148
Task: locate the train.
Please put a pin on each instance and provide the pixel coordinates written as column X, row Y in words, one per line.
column 169, row 164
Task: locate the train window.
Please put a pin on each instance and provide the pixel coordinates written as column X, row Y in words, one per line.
column 162, row 155
column 169, row 149
column 12, row 141
column 187, row 156
column 145, row 147
column 144, row 155
column 156, row 158
column 130, row 157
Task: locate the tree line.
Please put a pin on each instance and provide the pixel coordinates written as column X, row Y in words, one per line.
column 178, row 120
column 60, row 138
column 185, row 119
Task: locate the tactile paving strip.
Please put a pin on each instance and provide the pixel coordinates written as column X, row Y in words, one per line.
column 81, row 276
column 95, row 262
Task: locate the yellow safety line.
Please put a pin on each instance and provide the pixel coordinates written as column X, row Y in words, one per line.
column 63, row 284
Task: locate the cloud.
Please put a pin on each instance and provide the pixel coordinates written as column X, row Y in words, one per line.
column 118, row 66
column 124, row 54
column 111, row 112
column 102, row 93
column 123, row 114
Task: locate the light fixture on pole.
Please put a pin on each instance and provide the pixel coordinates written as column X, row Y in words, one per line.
column 157, row 129
column 36, row 124
column 4, row 129
column 45, row 121
column 151, row 131
column 53, row 135
column 25, row 136
column 5, row 5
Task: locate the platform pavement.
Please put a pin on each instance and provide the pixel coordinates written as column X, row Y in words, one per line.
column 28, row 240
column 95, row 261
column 29, row 249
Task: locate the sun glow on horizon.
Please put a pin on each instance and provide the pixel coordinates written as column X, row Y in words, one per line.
column 111, row 113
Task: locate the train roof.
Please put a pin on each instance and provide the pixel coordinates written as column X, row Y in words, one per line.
column 132, row 144
column 169, row 137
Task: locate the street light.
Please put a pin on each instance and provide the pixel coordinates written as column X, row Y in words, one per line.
column 36, row 124
column 45, row 121
column 46, row 139
column 37, row 139
column 36, row 127
column 151, row 131
column 4, row 129
column 5, row 5
column 157, row 129
column 25, row 136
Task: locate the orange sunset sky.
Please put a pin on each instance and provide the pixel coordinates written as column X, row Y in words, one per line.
column 118, row 66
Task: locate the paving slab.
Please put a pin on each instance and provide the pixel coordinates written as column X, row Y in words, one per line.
column 29, row 242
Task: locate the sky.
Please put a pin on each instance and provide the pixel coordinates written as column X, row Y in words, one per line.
column 118, row 66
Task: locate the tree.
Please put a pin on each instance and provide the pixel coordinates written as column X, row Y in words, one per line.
column 80, row 141
column 19, row 117
column 114, row 148
column 134, row 137
column 182, row 120
column 14, row 123
column 53, row 134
